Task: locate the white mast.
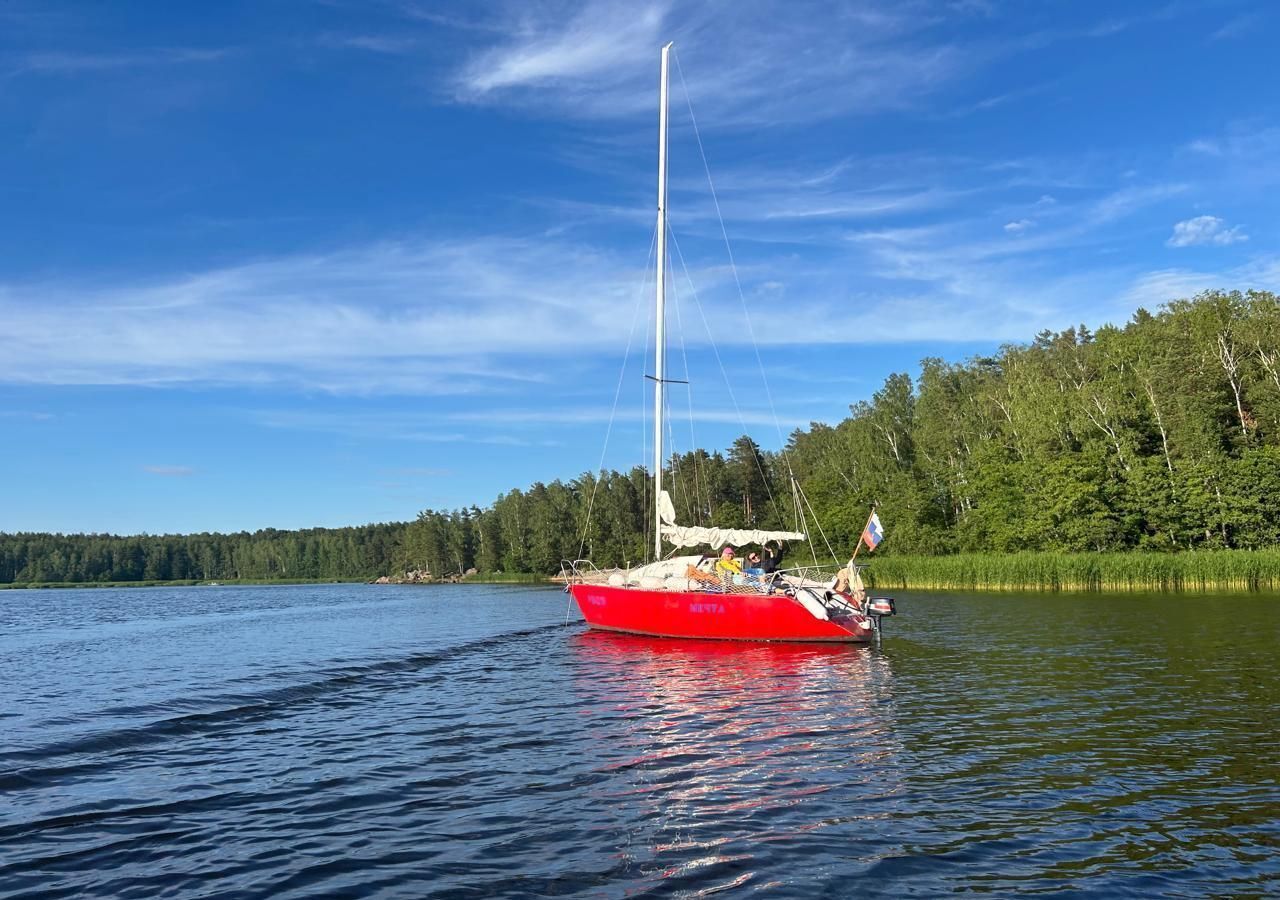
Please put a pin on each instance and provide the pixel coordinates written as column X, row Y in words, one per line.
column 660, row 340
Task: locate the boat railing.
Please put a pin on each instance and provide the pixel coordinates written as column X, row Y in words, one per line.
column 809, row 576
column 583, row 571
column 820, row 580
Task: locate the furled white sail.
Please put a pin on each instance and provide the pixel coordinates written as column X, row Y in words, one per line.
column 666, row 512
column 695, row 536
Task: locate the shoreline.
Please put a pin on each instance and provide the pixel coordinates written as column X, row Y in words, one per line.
column 187, row 582
column 517, row 578
column 1048, row 572
column 1027, row 571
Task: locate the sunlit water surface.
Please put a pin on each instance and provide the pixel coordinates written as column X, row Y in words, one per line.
column 375, row 741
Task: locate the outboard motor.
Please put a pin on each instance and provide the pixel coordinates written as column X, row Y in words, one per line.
column 879, row 607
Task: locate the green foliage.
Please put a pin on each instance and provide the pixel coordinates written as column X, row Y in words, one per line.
column 315, row 554
column 1049, row 571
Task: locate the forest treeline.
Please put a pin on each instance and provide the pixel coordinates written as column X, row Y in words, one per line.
column 314, row 553
column 1161, row 435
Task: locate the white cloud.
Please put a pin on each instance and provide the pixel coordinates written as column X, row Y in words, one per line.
column 1205, row 230
column 1019, row 226
column 418, row 317
column 476, row 316
column 595, row 44
column 459, row 316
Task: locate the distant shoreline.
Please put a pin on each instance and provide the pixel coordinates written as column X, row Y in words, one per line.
column 515, row 578
column 41, row 585
column 1134, row 571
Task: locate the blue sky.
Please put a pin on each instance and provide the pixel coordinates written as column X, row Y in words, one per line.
column 326, row 263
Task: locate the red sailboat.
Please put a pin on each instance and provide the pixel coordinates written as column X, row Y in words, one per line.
column 686, row 597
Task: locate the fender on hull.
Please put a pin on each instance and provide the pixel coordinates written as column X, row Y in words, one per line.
column 729, row 617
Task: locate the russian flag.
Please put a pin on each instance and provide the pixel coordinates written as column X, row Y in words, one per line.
column 873, row 534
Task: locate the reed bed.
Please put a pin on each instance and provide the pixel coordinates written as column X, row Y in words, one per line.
column 1240, row 570
column 508, row 578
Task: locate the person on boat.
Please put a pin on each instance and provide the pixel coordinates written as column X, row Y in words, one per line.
column 772, row 560
column 849, row 583
column 840, row 584
column 704, row 578
column 755, row 573
column 728, row 568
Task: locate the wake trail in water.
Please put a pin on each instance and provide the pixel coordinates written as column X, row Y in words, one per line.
column 31, row 768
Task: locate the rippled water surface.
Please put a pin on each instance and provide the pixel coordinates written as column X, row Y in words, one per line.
column 375, row 741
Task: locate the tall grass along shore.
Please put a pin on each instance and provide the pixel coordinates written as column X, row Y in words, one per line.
column 1251, row 570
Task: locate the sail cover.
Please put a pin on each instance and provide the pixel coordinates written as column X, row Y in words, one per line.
column 694, row 536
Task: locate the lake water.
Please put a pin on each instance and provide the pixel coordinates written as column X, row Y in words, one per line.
column 464, row 741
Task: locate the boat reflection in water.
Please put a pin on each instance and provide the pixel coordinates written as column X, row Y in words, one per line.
column 728, row 756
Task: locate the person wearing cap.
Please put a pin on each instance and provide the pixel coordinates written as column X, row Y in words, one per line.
column 728, row 568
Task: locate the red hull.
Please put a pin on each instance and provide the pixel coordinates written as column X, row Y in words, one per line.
column 730, row 617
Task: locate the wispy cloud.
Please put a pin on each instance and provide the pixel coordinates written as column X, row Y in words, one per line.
column 417, row 472
column 417, row 317
column 598, row 59
column 599, row 415
column 1126, row 201
column 995, row 101
column 375, row 426
column 399, row 425
column 1153, row 288
column 1245, row 157
column 988, row 288
column 1239, row 26
column 76, row 63
column 387, row 44
column 1242, row 141
column 1205, row 230
column 596, row 43
column 170, row 471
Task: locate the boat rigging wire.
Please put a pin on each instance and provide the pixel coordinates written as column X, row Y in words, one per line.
column 733, row 266
column 695, row 507
column 804, row 497
column 724, row 373
column 617, row 392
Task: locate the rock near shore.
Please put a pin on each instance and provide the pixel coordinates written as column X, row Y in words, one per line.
column 413, row 576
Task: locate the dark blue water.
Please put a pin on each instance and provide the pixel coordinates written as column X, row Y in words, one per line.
column 463, row 741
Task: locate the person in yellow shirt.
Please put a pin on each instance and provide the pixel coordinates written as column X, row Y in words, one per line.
column 728, row 568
